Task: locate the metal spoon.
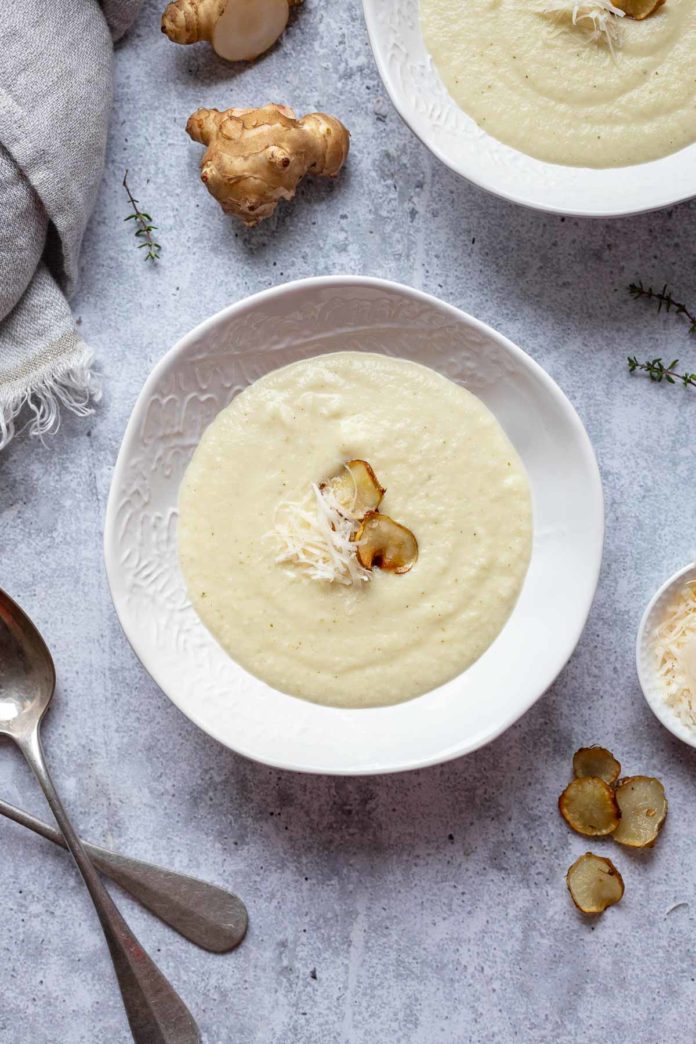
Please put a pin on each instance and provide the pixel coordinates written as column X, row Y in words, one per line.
column 207, row 915
column 156, row 1013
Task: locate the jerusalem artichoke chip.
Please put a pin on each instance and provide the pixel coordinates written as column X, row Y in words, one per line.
column 638, row 9
column 589, row 807
column 643, row 807
column 594, row 883
column 356, row 488
column 385, row 543
column 596, row 761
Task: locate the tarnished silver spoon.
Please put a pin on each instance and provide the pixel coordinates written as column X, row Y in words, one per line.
column 156, row 1013
column 208, row 915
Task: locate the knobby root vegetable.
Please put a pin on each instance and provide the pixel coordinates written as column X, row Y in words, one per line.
column 256, row 157
column 239, row 30
column 188, row 21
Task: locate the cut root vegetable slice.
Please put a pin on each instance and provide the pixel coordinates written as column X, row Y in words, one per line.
column 589, row 807
column 596, row 761
column 594, row 883
column 638, row 9
column 643, row 807
column 356, row 488
column 247, row 28
column 385, row 543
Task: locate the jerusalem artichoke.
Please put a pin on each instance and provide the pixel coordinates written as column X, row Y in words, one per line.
column 256, row 157
column 239, row 30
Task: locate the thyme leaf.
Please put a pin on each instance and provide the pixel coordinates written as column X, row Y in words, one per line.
column 143, row 225
column 655, row 369
column 658, row 372
column 664, row 299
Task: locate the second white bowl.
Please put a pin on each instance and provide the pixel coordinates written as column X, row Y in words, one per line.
column 422, row 100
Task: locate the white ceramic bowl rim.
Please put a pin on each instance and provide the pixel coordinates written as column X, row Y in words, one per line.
column 322, row 761
column 423, row 102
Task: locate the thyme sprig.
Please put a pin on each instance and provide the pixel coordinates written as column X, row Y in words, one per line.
column 664, row 300
column 655, row 368
column 143, row 225
column 657, row 371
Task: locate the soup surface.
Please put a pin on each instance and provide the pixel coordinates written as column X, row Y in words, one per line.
column 451, row 476
column 537, row 82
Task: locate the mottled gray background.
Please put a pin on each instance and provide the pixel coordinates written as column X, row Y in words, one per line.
column 431, row 905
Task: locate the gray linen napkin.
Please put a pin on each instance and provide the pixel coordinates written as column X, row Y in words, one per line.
column 55, row 99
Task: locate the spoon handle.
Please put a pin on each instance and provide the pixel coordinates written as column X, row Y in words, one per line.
column 156, row 1013
column 207, row 915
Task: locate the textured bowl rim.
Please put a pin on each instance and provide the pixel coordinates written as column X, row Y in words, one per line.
column 470, row 174
column 664, row 714
column 595, row 493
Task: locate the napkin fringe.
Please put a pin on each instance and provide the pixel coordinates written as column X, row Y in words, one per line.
column 73, row 385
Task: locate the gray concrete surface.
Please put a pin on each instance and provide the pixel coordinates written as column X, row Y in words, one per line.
column 411, row 909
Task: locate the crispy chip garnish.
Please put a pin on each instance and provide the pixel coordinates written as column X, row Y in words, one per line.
column 638, row 9
column 596, row 761
column 385, row 543
column 356, row 488
column 589, row 807
column 594, row 883
column 643, row 806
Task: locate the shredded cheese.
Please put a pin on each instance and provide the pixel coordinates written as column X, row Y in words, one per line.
column 316, row 536
column 601, row 17
column 674, row 643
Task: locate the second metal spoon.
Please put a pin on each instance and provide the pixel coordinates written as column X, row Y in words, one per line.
column 207, row 915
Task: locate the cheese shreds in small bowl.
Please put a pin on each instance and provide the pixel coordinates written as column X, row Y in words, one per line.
column 666, row 654
column 674, row 645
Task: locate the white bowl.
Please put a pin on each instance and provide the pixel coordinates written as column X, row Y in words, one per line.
column 645, row 659
column 199, row 376
column 421, row 98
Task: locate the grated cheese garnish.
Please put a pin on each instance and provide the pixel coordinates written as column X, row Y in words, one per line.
column 674, row 643
column 601, row 17
column 315, row 535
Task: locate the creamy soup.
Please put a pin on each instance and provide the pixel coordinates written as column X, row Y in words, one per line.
column 451, row 476
column 537, row 82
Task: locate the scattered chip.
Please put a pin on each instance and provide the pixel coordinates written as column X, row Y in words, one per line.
column 596, row 761
column 356, row 488
column 589, row 807
column 594, row 883
column 638, row 9
column 643, row 807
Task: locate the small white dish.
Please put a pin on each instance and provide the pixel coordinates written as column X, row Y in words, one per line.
column 199, row 376
column 422, row 100
column 645, row 658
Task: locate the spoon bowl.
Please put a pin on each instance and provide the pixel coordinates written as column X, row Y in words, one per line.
column 27, row 672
